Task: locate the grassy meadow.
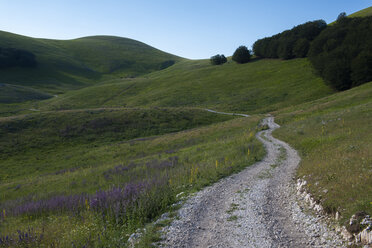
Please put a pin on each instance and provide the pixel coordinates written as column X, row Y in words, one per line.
column 15, row 94
column 333, row 137
column 362, row 13
column 27, row 140
column 256, row 87
column 124, row 184
column 107, row 133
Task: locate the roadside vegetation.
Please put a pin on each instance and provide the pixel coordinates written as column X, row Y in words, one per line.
column 123, row 186
column 333, row 137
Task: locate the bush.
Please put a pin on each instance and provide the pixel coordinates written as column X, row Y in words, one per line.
column 218, row 59
column 341, row 16
column 241, row 55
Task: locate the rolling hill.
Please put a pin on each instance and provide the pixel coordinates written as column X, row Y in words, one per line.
column 256, row 87
column 128, row 134
column 72, row 64
column 362, row 13
column 14, row 93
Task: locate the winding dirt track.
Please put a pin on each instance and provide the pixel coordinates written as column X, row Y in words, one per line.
column 254, row 208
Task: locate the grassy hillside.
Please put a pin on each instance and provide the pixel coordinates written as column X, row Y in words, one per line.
column 256, row 87
column 27, row 140
column 334, row 139
column 105, row 191
column 362, row 13
column 13, row 93
column 73, row 64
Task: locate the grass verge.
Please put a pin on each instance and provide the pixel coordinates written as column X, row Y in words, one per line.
column 333, row 137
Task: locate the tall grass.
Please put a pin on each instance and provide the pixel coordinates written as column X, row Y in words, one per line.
column 334, row 139
column 132, row 183
column 256, row 87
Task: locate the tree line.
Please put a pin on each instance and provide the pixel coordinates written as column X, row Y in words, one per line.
column 11, row 57
column 294, row 43
column 341, row 53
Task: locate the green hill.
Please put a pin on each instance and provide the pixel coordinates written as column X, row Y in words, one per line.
column 14, row 93
column 25, row 138
column 362, row 13
column 72, row 64
column 126, row 121
column 255, row 87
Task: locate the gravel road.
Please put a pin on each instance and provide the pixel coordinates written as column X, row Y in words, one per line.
column 254, row 208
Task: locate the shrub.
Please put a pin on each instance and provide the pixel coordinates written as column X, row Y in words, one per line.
column 218, row 59
column 341, row 16
column 241, row 55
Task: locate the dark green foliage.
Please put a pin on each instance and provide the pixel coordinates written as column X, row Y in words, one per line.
column 166, row 64
column 285, row 48
column 301, row 48
column 341, row 16
column 361, row 68
column 289, row 44
column 218, row 59
column 11, row 57
column 342, row 53
column 241, row 55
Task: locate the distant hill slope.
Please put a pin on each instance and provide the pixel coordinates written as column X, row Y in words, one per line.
column 362, row 13
column 72, row 64
column 14, row 93
column 255, row 87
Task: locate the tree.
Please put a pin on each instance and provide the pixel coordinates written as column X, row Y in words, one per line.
column 285, row 48
column 218, row 59
column 289, row 44
column 361, row 69
column 241, row 55
column 337, row 74
column 301, row 48
column 342, row 53
column 341, row 16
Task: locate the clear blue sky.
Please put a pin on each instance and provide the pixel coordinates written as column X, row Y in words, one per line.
column 188, row 28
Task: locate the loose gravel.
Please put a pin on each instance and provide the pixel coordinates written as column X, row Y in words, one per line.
column 257, row 207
